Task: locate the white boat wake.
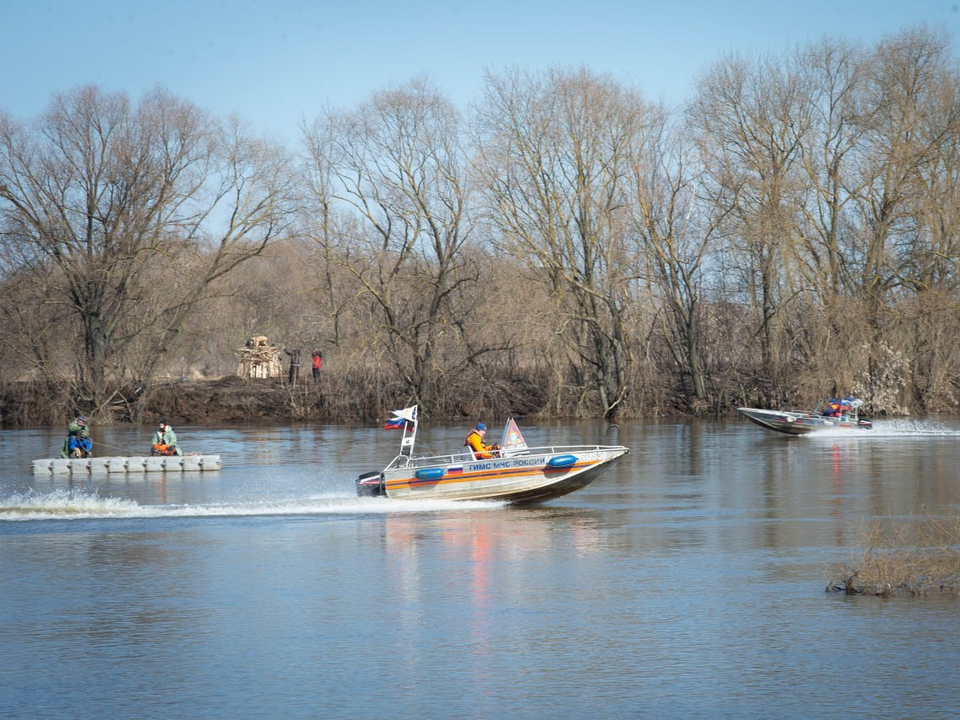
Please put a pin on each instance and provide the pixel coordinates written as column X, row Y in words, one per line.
column 891, row 428
column 79, row 505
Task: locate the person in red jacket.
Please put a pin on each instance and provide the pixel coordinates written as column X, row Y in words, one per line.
column 481, row 451
column 317, row 364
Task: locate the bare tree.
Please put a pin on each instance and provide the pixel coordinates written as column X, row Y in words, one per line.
column 899, row 140
column 390, row 194
column 555, row 165
column 836, row 74
column 100, row 194
column 675, row 230
column 751, row 119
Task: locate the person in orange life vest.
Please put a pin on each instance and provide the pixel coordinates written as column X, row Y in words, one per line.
column 165, row 441
column 833, row 408
column 481, row 451
column 317, row 363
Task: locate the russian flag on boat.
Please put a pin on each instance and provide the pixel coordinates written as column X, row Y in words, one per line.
column 455, row 470
column 401, row 418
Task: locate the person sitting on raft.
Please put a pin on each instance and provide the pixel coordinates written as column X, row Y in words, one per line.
column 78, row 443
column 481, row 451
column 165, row 441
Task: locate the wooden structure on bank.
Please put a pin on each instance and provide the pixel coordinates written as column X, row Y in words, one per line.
column 259, row 359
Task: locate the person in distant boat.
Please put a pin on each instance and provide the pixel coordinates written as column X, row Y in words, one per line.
column 475, row 441
column 78, row 443
column 834, row 407
column 165, row 441
column 317, row 364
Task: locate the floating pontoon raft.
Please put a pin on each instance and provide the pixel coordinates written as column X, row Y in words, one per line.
column 152, row 463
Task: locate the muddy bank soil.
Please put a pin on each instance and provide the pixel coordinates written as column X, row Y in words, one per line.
column 227, row 400
column 232, row 400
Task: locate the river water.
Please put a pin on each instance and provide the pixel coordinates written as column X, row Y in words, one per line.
column 686, row 581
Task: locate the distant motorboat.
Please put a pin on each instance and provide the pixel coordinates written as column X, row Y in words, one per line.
column 843, row 414
column 515, row 473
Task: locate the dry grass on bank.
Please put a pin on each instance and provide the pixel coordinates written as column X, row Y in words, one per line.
column 919, row 557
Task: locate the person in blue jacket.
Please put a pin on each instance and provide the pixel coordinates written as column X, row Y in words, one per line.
column 78, row 443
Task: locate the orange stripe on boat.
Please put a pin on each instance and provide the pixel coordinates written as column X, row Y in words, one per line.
column 485, row 475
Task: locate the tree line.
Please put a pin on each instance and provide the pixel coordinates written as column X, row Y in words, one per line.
column 564, row 246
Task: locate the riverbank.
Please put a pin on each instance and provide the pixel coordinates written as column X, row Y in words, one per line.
column 231, row 400
column 234, row 400
column 226, row 400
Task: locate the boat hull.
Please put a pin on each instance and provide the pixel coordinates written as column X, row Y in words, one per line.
column 523, row 478
column 800, row 422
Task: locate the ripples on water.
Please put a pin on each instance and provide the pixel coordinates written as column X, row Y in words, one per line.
column 687, row 581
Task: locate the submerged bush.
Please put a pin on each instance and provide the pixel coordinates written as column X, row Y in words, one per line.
column 921, row 557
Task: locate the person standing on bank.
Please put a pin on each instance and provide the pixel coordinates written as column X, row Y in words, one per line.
column 317, row 364
column 294, row 364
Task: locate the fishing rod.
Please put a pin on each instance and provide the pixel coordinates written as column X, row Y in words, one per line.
column 123, row 451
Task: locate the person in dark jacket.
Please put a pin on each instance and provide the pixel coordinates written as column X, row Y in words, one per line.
column 294, row 364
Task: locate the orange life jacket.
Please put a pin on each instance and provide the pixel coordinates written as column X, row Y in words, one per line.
column 160, row 449
column 475, row 442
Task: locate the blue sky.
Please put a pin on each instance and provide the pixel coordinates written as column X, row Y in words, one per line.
column 275, row 62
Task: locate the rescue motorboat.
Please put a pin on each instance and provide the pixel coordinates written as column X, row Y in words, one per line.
column 514, row 473
column 843, row 414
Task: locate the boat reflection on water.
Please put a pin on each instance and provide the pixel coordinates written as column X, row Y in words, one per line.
column 491, row 605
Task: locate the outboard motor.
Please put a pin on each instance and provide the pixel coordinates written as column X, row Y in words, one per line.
column 865, row 424
column 370, row 485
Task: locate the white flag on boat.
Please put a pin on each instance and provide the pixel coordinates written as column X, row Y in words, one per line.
column 402, row 419
column 409, row 414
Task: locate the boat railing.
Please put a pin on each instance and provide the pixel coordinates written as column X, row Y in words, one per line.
column 403, row 461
